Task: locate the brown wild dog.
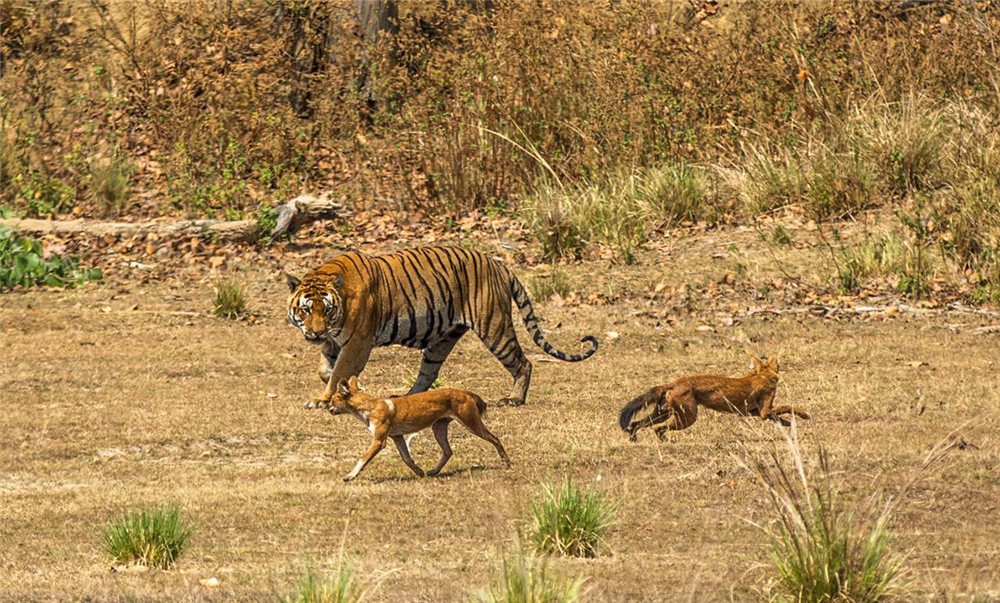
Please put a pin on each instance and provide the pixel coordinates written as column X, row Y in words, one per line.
column 676, row 403
column 397, row 417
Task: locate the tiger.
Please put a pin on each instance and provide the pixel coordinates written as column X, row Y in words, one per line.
column 425, row 298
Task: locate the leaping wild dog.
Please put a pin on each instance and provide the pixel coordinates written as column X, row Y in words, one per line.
column 676, row 403
column 425, row 298
column 398, row 417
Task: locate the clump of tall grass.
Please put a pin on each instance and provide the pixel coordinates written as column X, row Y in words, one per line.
column 566, row 220
column 675, row 192
column 907, row 142
column 544, row 286
column 340, row 585
column 230, row 299
column 565, row 520
column 619, row 211
column 109, row 184
column 526, row 578
column 153, row 537
column 823, row 548
column 827, row 182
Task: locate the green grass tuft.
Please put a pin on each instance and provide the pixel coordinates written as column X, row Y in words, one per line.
column 824, row 550
column 230, row 299
column 154, row 537
column 567, row 521
column 339, row 586
column 525, row 578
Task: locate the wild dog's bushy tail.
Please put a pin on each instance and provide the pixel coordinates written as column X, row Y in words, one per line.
column 646, row 399
column 527, row 311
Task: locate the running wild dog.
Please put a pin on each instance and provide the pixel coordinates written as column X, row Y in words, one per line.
column 676, row 403
column 397, row 417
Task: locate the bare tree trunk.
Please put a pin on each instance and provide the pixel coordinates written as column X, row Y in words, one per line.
column 375, row 19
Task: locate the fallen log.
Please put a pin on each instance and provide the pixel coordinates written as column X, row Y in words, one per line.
column 289, row 217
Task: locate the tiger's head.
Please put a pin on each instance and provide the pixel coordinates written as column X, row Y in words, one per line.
column 315, row 306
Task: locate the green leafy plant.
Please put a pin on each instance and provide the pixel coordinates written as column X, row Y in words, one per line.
column 526, row 578
column 568, row 521
column 230, row 299
column 154, row 537
column 22, row 264
column 43, row 197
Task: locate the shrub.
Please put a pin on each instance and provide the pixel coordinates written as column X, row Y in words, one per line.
column 43, row 197
column 525, row 578
column 230, row 299
column 22, row 264
column 824, row 550
column 154, row 537
column 907, row 142
column 544, row 286
column 675, row 192
column 338, row 586
column 109, row 184
column 567, row 521
column 770, row 180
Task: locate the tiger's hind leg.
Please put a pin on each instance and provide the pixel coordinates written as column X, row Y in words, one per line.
column 503, row 343
column 434, row 357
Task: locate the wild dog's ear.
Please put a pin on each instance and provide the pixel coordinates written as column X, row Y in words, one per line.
column 773, row 363
column 293, row 283
column 343, row 388
column 757, row 364
column 353, row 382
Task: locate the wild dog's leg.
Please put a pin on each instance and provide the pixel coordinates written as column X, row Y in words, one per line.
column 327, row 358
column 786, row 410
column 765, row 407
column 434, row 357
column 350, row 362
column 404, row 451
column 685, row 413
column 378, row 443
column 656, row 417
column 660, row 413
column 440, row 428
column 468, row 415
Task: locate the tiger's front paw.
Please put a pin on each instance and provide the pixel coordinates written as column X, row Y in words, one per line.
column 321, row 403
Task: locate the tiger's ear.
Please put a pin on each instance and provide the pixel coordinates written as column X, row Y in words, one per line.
column 293, row 283
column 337, row 282
column 343, row 387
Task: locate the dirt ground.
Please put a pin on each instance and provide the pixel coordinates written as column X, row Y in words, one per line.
column 114, row 397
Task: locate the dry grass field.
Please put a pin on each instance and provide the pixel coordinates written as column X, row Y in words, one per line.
column 123, row 396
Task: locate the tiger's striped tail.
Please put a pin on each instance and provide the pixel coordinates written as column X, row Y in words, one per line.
column 527, row 310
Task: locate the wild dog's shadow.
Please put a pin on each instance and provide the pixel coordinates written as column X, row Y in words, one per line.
column 445, row 473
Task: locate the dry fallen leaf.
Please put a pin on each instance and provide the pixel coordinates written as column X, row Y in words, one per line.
column 918, row 363
column 210, row 582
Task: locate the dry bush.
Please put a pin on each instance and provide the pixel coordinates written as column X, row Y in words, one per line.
column 219, row 106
